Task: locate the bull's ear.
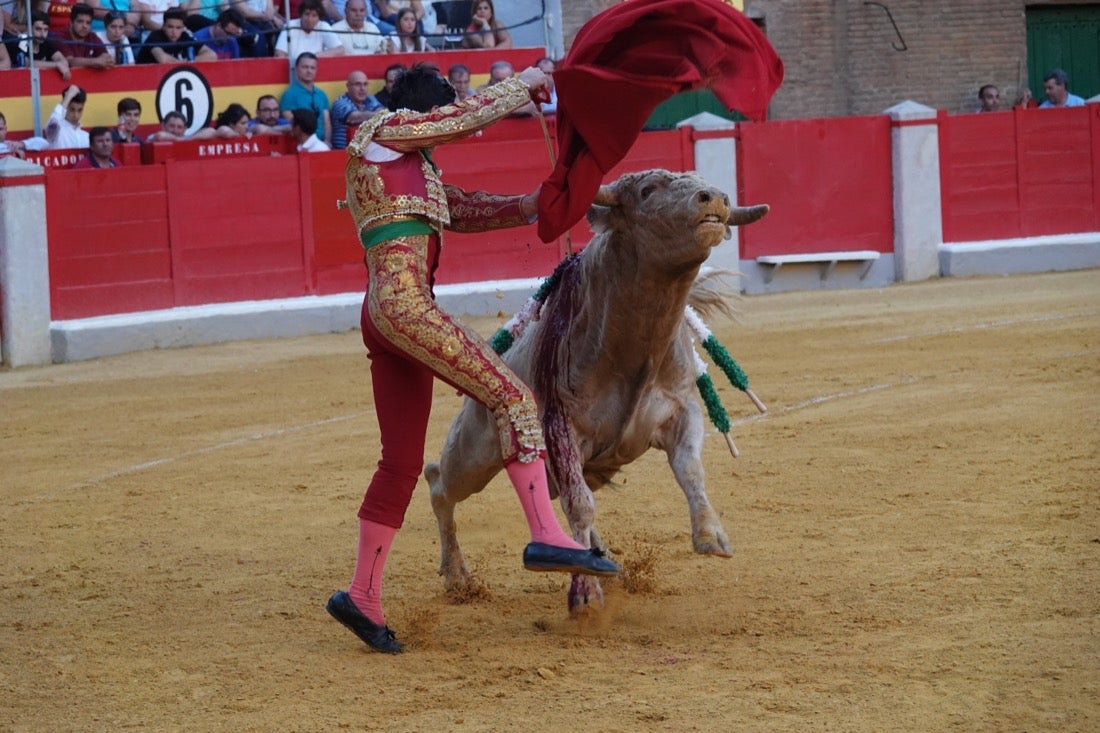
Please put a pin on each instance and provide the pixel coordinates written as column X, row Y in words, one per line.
column 741, row 215
column 599, row 218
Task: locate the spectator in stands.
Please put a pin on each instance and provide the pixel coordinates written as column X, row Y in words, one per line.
column 233, row 121
column 128, row 10
column 9, row 147
column 45, row 52
column 173, row 44
column 485, row 31
column 374, row 16
column 129, row 118
column 153, row 15
column 263, row 21
column 202, row 13
column 407, row 38
column 100, row 150
column 268, row 116
column 1056, row 87
column 308, row 33
column 82, row 47
column 60, row 12
column 172, row 128
column 353, row 107
column 5, row 57
column 498, row 72
column 63, row 128
column 15, row 20
column 303, row 93
column 359, row 36
column 547, row 66
column 118, row 44
column 388, row 10
column 392, row 72
column 989, row 99
column 221, row 37
column 459, row 76
column 303, row 128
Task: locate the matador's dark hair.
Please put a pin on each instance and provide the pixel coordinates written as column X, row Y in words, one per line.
column 421, row 88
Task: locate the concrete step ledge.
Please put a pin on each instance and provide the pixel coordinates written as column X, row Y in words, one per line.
column 1015, row 256
column 91, row 338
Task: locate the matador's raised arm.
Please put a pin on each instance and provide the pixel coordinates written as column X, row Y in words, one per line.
column 407, row 131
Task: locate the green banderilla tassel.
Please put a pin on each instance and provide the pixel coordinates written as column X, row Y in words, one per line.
column 718, row 354
column 502, row 341
column 715, row 411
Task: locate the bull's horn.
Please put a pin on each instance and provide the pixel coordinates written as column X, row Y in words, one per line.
column 606, row 196
column 741, row 215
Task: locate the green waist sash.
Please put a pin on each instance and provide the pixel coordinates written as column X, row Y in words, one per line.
column 393, row 230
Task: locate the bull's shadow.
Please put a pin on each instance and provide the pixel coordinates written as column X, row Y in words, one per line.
column 611, row 363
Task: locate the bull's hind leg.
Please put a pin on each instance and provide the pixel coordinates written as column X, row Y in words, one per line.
column 685, row 449
column 470, row 458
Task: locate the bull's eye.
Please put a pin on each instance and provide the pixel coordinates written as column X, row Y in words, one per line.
column 647, row 190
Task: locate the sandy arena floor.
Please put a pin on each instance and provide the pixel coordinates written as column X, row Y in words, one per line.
column 916, row 522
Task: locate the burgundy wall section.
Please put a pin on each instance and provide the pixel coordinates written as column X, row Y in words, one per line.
column 828, row 182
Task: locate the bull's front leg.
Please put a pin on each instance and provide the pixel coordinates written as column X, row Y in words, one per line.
column 684, row 447
column 585, row 592
column 579, row 506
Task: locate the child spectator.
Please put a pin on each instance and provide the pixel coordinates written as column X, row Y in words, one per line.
column 63, row 128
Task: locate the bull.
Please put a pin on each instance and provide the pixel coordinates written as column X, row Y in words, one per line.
column 610, row 361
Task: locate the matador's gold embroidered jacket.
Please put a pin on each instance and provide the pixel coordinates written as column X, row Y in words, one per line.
column 410, row 186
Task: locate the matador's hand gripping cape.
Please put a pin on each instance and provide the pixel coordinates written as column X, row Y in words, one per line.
column 626, row 61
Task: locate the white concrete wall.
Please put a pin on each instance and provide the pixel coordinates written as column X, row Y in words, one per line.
column 24, row 264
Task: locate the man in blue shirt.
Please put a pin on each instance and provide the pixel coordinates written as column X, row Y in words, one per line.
column 221, row 38
column 352, row 108
column 1056, row 87
column 303, row 93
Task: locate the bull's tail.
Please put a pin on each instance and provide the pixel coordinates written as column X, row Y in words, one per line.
column 712, row 293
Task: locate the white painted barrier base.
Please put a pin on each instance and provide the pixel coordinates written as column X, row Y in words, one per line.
column 90, row 338
column 1015, row 256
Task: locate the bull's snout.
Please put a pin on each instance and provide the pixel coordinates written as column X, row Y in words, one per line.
column 707, row 195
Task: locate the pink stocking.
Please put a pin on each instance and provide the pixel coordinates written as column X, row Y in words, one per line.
column 366, row 585
column 529, row 480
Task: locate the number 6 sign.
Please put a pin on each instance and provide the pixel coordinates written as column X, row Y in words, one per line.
column 185, row 90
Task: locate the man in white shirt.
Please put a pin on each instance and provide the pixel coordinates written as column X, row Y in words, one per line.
column 303, row 128
column 308, row 33
column 359, row 36
column 63, row 128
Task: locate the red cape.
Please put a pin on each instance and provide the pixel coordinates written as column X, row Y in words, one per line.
column 626, row 61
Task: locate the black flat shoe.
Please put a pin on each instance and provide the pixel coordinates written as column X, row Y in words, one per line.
column 541, row 556
column 379, row 638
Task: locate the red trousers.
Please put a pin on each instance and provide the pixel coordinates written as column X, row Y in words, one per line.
column 409, row 341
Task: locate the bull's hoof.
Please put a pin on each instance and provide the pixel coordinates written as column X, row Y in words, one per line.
column 585, row 596
column 466, row 589
column 712, row 544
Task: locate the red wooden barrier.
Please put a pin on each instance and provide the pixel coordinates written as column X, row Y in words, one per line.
column 251, row 227
column 108, row 241
column 1020, row 174
column 828, row 182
